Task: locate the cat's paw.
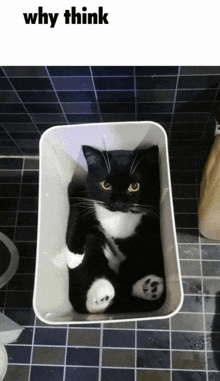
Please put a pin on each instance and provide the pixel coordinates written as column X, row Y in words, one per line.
column 149, row 288
column 100, row 296
column 65, row 257
column 73, row 260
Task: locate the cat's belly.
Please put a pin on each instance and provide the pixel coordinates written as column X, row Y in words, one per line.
column 117, row 224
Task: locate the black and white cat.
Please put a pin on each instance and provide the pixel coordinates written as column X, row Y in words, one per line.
column 114, row 253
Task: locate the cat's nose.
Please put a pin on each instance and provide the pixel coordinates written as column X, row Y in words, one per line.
column 119, row 203
column 120, row 206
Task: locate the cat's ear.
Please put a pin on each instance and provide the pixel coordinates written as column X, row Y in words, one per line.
column 95, row 158
column 150, row 155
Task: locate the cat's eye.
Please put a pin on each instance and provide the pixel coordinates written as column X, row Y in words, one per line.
column 105, row 185
column 134, row 187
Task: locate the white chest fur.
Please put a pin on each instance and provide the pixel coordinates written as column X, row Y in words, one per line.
column 117, row 224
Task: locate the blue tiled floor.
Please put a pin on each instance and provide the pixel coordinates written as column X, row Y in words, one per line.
column 184, row 347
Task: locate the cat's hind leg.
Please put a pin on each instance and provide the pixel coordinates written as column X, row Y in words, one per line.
column 92, row 283
column 100, row 296
column 150, row 287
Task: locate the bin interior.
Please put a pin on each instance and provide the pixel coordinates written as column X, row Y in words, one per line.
column 61, row 158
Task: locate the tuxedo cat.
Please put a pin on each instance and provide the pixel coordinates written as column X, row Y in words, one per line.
column 114, row 251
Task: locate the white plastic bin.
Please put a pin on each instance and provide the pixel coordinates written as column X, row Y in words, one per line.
column 60, row 157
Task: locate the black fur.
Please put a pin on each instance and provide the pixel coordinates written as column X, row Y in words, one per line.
column 143, row 250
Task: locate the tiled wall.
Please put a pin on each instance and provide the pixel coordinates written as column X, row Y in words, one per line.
column 33, row 99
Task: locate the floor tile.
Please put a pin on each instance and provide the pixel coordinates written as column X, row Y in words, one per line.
column 82, row 337
column 81, row 374
column 213, row 361
column 187, row 322
column 187, row 235
column 117, row 338
column 190, row 268
column 24, row 316
column 18, row 354
column 117, row 374
column 17, row 373
column 153, row 359
column 153, row 375
column 192, row 285
column 46, row 373
column 214, row 376
column 50, row 336
column 186, row 376
column 210, row 252
column 48, row 355
column 17, row 299
column 211, row 269
column 188, row 340
column 82, row 356
column 26, row 337
column 188, row 360
column 192, row 303
column 153, row 339
column 118, row 358
column 153, row 324
column 189, row 251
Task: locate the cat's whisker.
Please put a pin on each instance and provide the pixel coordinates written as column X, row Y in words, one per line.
column 107, row 156
column 87, row 199
column 135, row 167
column 133, row 162
column 84, row 206
column 146, row 206
column 154, row 211
column 89, row 213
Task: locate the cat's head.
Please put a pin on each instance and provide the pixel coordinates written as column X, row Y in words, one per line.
column 123, row 180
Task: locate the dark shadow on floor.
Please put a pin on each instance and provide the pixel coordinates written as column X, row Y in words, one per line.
column 215, row 342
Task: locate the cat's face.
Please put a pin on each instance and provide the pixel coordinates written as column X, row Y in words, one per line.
column 123, row 180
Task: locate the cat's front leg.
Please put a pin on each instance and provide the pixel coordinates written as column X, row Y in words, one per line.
column 76, row 232
column 150, row 287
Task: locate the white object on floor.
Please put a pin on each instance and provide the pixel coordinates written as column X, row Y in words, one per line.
column 3, row 362
column 12, row 268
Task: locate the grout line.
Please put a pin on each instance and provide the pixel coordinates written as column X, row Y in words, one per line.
column 96, row 95
column 17, row 94
column 55, row 91
column 113, row 329
column 65, row 355
column 9, row 135
column 135, row 353
column 174, row 102
column 123, row 76
column 106, row 101
column 171, row 358
column 100, row 351
column 118, row 367
column 32, row 348
column 19, row 199
column 203, row 309
column 135, row 95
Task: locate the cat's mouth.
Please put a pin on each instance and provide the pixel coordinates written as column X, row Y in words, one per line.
column 118, row 208
column 124, row 208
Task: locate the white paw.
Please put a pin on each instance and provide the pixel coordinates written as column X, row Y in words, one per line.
column 100, row 296
column 66, row 257
column 73, row 260
column 149, row 288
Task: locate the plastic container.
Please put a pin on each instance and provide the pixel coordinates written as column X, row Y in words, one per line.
column 61, row 157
